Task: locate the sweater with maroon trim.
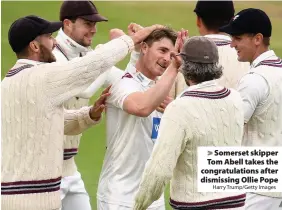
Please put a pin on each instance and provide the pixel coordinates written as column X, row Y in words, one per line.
column 33, row 125
column 233, row 70
column 265, row 126
column 204, row 115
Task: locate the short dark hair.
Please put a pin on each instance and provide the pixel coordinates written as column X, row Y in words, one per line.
column 159, row 34
column 215, row 14
column 71, row 19
column 214, row 23
column 265, row 40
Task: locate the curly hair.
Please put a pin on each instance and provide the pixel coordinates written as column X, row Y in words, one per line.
column 200, row 72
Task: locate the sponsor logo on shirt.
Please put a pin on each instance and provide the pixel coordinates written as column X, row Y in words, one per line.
column 155, row 129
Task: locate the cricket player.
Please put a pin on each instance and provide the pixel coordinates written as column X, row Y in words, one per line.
column 203, row 115
column 33, row 94
column 211, row 15
column 74, row 40
column 132, row 121
column 260, row 89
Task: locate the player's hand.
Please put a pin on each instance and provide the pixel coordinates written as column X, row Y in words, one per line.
column 143, row 33
column 99, row 105
column 164, row 104
column 132, row 29
column 182, row 35
column 116, row 33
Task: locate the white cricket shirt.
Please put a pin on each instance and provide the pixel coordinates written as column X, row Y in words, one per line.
column 130, row 141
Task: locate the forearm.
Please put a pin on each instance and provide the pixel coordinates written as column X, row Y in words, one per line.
column 77, row 121
column 63, row 81
column 143, row 104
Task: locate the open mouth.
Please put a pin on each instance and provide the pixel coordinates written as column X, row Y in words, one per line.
column 164, row 67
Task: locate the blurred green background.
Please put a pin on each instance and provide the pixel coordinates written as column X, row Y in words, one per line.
column 175, row 14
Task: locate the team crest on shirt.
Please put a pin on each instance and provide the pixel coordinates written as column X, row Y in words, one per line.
column 155, row 129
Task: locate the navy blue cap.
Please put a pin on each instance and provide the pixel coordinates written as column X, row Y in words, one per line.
column 26, row 29
column 251, row 21
column 215, row 9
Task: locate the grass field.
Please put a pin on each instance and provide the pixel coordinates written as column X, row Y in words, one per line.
column 176, row 14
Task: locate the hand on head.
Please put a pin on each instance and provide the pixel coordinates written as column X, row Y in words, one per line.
column 143, row 33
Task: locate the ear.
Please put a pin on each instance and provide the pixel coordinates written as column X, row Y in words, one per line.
column 199, row 22
column 34, row 46
column 258, row 39
column 67, row 23
column 144, row 47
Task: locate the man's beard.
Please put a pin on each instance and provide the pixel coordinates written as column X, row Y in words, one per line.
column 46, row 55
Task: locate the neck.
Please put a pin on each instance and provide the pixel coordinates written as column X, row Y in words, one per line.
column 208, row 32
column 140, row 66
column 191, row 83
column 258, row 52
column 66, row 32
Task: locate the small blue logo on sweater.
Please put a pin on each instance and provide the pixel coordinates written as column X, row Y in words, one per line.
column 155, row 129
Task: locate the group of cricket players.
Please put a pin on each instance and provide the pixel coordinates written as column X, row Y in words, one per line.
column 221, row 88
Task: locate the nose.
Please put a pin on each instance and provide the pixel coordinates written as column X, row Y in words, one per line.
column 232, row 44
column 54, row 42
column 93, row 29
column 167, row 57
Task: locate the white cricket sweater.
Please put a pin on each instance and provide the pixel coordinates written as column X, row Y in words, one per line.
column 265, row 126
column 205, row 115
column 65, row 50
column 233, row 70
column 33, row 123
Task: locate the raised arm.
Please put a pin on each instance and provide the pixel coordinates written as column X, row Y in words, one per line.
column 144, row 103
column 63, row 81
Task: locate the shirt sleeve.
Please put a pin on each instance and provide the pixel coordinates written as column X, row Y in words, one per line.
column 159, row 168
column 122, row 89
column 113, row 75
column 254, row 91
column 103, row 81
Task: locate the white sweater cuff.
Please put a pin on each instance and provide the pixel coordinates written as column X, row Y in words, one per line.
column 87, row 118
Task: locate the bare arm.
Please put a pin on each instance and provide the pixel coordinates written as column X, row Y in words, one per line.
column 144, row 103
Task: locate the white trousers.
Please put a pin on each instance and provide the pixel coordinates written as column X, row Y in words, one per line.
column 261, row 202
column 107, row 206
column 73, row 193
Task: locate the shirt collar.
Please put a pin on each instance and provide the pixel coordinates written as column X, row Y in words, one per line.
column 218, row 37
column 70, row 47
column 27, row 61
column 264, row 56
column 201, row 85
column 145, row 81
